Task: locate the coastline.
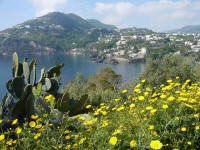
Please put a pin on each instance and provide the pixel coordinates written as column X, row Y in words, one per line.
column 93, row 58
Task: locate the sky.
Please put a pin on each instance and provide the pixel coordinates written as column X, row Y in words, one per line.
column 158, row 15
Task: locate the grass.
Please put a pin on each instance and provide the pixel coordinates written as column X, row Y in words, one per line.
column 165, row 117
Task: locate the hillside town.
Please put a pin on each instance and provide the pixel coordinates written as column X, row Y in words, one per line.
column 128, row 47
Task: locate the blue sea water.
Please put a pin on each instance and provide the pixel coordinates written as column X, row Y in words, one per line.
column 72, row 65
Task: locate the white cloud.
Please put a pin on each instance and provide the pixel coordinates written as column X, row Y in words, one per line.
column 45, row 6
column 160, row 15
column 121, row 8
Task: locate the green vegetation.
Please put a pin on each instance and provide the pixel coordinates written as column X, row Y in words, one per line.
column 31, row 97
column 149, row 114
column 54, row 32
column 158, row 71
column 100, row 25
column 58, row 33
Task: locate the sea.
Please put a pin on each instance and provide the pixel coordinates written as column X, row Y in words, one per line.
column 72, row 65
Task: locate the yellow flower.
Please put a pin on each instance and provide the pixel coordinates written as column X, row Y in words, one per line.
column 102, row 104
column 143, row 81
column 38, row 126
column 75, row 145
column 141, row 98
column 117, row 100
column 82, row 141
column 68, row 146
column 177, row 77
column 187, row 81
column 76, row 137
column 67, row 137
column 153, row 111
column 14, row 142
column 66, row 131
column 189, row 143
column 124, row 91
column 146, row 93
column 156, row 144
column 151, row 127
column 163, row 96
column 39, row 120
column 32, row 124
column 50, row 125
column 169, row 81
column 132, row 105
column 133, row 143
column 45, row 115
column 104, row 113
column 113, row 140
column 120, row 108
column 91, row 130
column 49, row 98
column 2, row 137
column 41, row 129
column 197, row 128
column 37, row 136
column 18, row 130
column 88, row 106
column 34, row 117
column 14, row 121
column 149, row 108
column 155, row 133
column 1, row 121
column 59, row 146
column 88, row 123
column 104, row 124
column 165, row 106
column 148, row 89
column 138, row 91
column 9, row 142
column 171, row 98
column 183, row 129
column 116, row 132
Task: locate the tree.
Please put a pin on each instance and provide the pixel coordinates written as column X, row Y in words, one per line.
column 104, row 78
column 157, row 72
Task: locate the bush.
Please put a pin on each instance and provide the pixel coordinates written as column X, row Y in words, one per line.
column 100, row 87
column 140, row 118
column 157, row 72
column 105, row 78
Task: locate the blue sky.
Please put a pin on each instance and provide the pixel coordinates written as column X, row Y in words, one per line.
column 159, row 15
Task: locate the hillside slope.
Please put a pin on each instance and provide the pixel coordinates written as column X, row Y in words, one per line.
column 188, row 29
column 54, row 32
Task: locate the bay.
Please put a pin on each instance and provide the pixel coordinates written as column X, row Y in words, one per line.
column 72, row 65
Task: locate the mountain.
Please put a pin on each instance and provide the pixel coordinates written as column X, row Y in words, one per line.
column 100, row 25
column 134, row 30
column 53, row 33
column 188, row 29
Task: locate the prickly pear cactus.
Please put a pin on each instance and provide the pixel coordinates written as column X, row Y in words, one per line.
column 25, row 99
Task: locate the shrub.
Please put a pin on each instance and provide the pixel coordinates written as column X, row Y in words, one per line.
column 157, row 72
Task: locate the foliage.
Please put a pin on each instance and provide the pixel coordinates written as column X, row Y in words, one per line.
column 36, row 98
column 141, row 118
column 104, row 78
column 96, row 95
column 51, row 33
column 157, row 72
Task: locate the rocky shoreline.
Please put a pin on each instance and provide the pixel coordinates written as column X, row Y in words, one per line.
column 114, row 60
column 93, row 58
